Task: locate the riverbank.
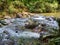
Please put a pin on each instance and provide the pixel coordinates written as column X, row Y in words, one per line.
column 26, row 14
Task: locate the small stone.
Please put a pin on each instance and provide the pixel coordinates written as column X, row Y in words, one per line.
column 7, row 17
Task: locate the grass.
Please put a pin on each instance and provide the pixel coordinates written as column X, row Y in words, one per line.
column 56, row 14
column 52, row 14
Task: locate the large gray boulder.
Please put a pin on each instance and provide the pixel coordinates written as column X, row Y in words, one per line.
column 14, row 26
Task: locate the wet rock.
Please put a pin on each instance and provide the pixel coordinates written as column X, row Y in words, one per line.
column 7, row 21
column 39, row 25
column 6, row 32
column 19, row 34
column 20, row 21
column 1, row 25
column 3, row 22
column 46, row 20
column 47, row 25
column 5, row 39
column 31, row 26
column 7, row 42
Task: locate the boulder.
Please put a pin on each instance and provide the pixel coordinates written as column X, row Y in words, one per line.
column 39, row 25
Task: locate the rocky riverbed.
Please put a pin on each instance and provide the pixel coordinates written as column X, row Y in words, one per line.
column 30, row 27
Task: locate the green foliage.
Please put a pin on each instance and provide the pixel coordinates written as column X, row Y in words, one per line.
column 26, row 41
column 29, row 5
column 18, row 4
column 55, row 41
column 43, row 6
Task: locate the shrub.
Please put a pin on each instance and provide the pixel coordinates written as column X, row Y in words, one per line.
column 18, row 4
column 26, row 41
column 55, row 41
column 42, row 6
column 37, row 6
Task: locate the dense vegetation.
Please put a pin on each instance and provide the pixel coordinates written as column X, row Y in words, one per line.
column 37, row 6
